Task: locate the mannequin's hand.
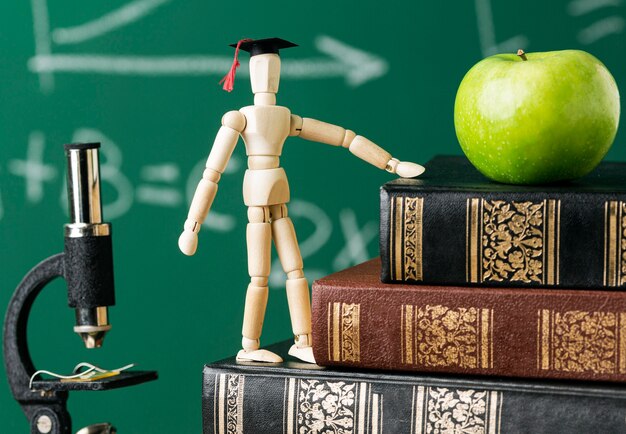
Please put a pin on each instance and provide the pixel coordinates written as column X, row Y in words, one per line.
column 404, row 169
column 188, row 240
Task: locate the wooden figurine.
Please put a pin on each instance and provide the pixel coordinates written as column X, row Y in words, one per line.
column 264, row 127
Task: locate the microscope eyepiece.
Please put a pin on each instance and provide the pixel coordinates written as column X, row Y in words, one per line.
column 72, row 146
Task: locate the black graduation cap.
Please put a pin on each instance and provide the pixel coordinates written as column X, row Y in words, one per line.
column 264, row 46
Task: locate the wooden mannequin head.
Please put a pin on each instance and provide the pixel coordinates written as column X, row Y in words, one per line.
column 265, row 73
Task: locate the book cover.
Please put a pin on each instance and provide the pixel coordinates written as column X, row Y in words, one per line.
column 298, row 398
column 452, row 226
column 361, row 322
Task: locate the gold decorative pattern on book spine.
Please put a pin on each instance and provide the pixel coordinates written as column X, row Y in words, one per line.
column 339, row 407
column 229, row 395
column 440, row 336
column 551, row 257
column 441, row 409
column 581, row 341
column 350, row 333
column 473, row 241
column 508, row 241
column 614, row 243
column 413, row 210
column 486, row 338
column 395, row 237
column 545, row 338
column 405, row 238
column 344, row 322
column 406, row 334
column 335, row 314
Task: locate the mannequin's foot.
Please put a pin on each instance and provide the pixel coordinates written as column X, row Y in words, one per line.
column 302, row 349
column 261, row 355
column 251, row 351
column 303, row 353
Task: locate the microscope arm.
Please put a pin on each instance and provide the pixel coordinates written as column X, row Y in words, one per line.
column 17, row 360
column 233, row 123
column 322, row 132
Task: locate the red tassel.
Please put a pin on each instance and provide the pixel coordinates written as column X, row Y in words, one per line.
column 229, row 79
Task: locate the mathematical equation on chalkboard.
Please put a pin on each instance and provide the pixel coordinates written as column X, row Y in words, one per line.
column 159, row 186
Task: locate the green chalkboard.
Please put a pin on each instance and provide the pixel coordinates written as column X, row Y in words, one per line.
column 141, row 77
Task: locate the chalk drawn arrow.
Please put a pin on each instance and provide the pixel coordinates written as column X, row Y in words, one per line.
column 340, row 61
column 343, row 61
column 116, row 19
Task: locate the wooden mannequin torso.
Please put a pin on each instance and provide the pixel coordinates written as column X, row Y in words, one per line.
column 267, row 128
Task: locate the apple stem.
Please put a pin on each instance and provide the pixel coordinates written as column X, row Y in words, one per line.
column 521, row 54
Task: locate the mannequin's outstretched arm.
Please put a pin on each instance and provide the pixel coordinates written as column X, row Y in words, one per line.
column 322, row 132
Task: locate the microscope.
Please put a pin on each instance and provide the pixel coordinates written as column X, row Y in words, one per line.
column 86, row 265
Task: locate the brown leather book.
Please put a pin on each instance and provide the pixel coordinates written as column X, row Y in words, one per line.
column 515, row 332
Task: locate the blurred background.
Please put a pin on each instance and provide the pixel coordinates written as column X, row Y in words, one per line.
column 141, row 77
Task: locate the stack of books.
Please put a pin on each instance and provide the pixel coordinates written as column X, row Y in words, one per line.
column 502, row 309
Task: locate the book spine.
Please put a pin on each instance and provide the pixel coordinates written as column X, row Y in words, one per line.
column 238, row 402
column 528, row 333
column 573, row 240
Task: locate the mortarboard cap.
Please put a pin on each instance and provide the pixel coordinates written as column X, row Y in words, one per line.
column 254, row 47
column 264, row 46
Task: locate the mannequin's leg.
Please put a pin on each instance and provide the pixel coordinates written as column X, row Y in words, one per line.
column 297, row 286
column 258, row 237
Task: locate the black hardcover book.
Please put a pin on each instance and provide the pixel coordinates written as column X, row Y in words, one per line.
column 452, row 226
column 297, row 398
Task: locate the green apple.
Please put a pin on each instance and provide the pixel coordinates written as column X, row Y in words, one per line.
column 538, row 117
